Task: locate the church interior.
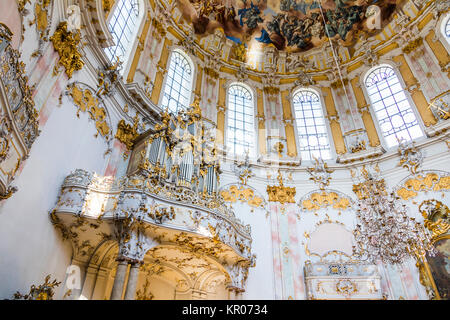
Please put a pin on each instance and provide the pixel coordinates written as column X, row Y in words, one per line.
column 224, row 149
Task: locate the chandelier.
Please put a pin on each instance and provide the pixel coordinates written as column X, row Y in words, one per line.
column 384, row 230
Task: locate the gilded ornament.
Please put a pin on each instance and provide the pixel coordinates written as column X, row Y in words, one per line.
column 126, row 133
column 66, row 44
column 436, row 217
column 240, row 52
column 413, row 45
column 44, row 291
column 324, row 199
column 281, row 193
column 320, row 173
column 423, row 182
column 242, row 194
column 86, row 101
column 410, row 157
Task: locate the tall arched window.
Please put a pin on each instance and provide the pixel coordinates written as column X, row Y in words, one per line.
column 240, row 122
column 124, row 25
column 392, row 109
column 311, row 128
column 178, row 87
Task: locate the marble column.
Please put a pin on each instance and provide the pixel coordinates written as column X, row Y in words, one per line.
column 132, row 282
column 119, row 280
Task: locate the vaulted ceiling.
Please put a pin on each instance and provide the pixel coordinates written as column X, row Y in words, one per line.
column 290, row 25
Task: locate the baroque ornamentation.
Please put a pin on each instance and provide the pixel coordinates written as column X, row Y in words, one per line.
column 410, row 157
column 281, row 193
column 127, row 133
column 242, row 170
column 324, row 199
column 86, row 101
column 19, row 125
column 436, row 217
column 320, row 173
column 42, row 14
column 66, row 44
column 424, row 181
column 235, row 193
column 44, row 291
column 107, row 79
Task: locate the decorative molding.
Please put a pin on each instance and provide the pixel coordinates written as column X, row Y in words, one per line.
column 317, row 200
column 86, row 101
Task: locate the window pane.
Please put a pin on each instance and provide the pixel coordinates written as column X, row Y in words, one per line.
column 240, row 134
column 122, row 25
column 177, row 90
column 312, row 134
column 392, row 109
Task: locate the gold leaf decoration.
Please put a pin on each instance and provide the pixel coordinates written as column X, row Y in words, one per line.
column 242, row 194
column 127, row 133
column 87, row 102
column 428, row 182
column 323, row 200
column 66, row 44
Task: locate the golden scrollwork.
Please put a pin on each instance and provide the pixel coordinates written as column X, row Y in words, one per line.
column 66, row 44
column 242, row 194
column 87, row 102
column 318, row 200
column 281, row 193
column 423, row 182
column 127, row 133
column 436, row 217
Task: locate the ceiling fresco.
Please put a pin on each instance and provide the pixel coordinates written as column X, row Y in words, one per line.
column 290, row 25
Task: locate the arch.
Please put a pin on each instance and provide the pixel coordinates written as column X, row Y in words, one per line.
column 124, row 24
column 393, row 110
column 179, row 81
column 312, row 131
column 240, row 126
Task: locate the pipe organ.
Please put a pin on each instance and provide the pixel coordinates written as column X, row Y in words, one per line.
column 180, row 152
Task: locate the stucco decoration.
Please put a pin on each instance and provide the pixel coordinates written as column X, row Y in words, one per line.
column 92, row 209
column 19, row 126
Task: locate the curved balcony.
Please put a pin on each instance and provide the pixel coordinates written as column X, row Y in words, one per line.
column 140, row 216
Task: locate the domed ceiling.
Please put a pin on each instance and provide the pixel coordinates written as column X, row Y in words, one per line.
column 290, row 25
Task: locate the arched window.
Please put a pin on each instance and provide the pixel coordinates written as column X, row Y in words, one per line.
column 311, row 128
column 445, row 28
column 123, row 25
column 178, row 87
column 392, row 109
column 240, row 122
